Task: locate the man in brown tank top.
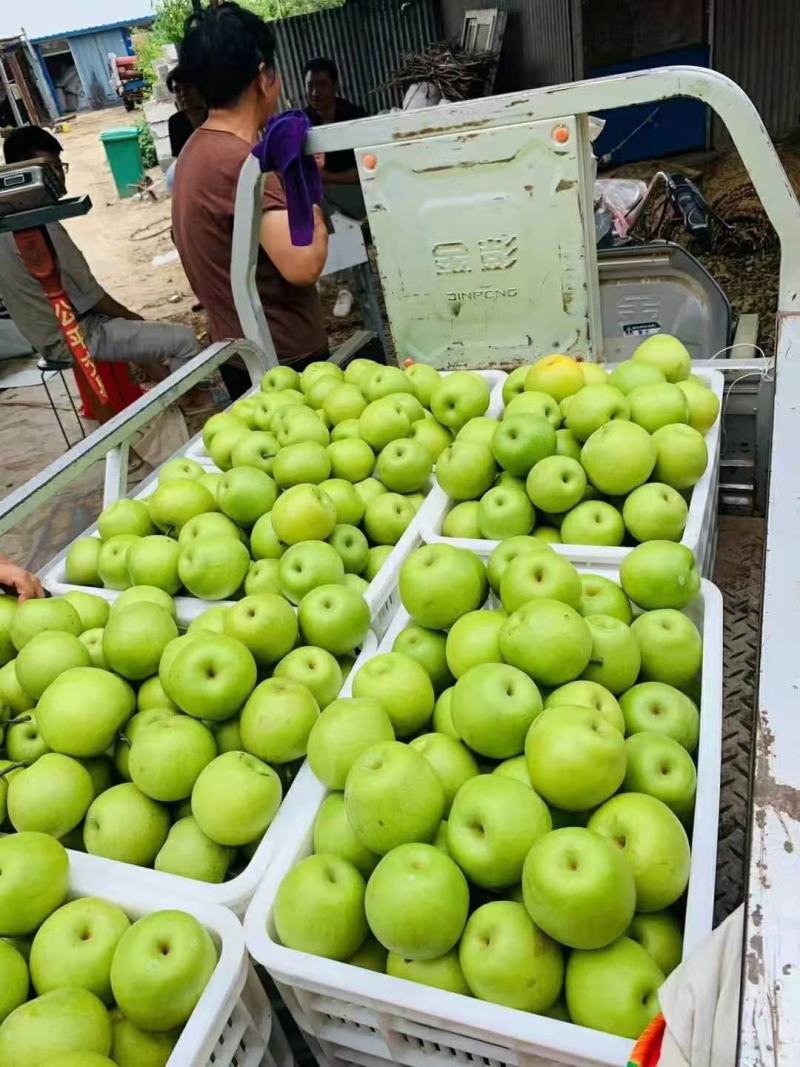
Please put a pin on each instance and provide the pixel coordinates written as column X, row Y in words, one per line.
column 229, row 54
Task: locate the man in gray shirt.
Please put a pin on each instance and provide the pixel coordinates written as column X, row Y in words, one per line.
column 113, row 333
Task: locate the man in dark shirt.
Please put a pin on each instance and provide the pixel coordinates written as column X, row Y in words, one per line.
column 113, row 333
column 192, row 111
column 339, row 174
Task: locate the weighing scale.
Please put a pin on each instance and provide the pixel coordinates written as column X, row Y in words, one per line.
column 33, row 194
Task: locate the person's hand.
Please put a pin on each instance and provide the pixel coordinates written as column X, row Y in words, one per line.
column 319, row 159
column 26, row 585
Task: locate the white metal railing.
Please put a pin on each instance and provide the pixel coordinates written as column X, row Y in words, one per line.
column 111, row 439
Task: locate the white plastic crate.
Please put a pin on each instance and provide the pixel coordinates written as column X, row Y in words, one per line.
column 701, row 524
column 196, row 450
column 232, row 1024
column 54, row 577
column 188, row 608
column 351, row 1015
column 235, row 893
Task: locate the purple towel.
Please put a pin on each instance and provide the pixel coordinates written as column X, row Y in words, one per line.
column 281, row 150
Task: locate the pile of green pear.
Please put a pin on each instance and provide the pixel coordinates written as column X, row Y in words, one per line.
column 124, row 738
column 512, row 786
column 319, row 476
column 585, row 457
column 81, row 984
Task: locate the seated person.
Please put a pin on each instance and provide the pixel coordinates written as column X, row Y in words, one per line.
column 113, row 333
column 192, row 111
column 229, row 54
column 339, row 174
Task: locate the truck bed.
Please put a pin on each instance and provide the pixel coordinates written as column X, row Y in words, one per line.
column 738, row 572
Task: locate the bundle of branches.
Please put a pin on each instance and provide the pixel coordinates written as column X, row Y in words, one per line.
column 731, row 194
column 751, row 230
column 456, row 73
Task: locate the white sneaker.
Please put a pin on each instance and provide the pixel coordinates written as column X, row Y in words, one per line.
column 344, row 304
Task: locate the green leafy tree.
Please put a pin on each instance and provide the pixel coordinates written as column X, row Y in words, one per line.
column 170, row 17
column 146, row 144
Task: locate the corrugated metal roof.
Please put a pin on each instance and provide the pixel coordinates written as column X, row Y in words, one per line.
column 365, row 39
column 757, row 44
column 93, row 31
column 43, row 19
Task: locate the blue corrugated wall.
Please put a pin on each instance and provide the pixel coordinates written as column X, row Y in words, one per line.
column 90, row 52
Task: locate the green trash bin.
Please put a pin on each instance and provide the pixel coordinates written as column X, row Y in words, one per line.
column 124, row 158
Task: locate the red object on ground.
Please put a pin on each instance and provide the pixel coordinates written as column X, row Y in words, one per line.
column 105, row 389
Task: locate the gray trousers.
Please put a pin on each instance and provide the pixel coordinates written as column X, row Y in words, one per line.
column 128, row 341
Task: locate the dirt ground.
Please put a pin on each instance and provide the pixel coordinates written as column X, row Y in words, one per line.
column 120, row 237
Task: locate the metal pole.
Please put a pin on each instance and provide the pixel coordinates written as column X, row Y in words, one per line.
column 14, row 106
column 24, row 500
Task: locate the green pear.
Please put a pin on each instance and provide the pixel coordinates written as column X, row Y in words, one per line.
column 167, row 756
column 73, row 948
column 235, row 798
column 66, row 1020
column 80, row 713
column 123, row 824
column 45, row 657
column 34, row 616
column 160, row 969
column 12, row 695
column 34, row 871
column 8, row 605
column 189, row 853
column 24, row 742
column 14, row 981
column 51, row 796
column 133, row 1047
column 92, row 609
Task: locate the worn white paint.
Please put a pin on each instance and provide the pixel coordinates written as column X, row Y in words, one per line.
column 770, row 1028
column 483, row 246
